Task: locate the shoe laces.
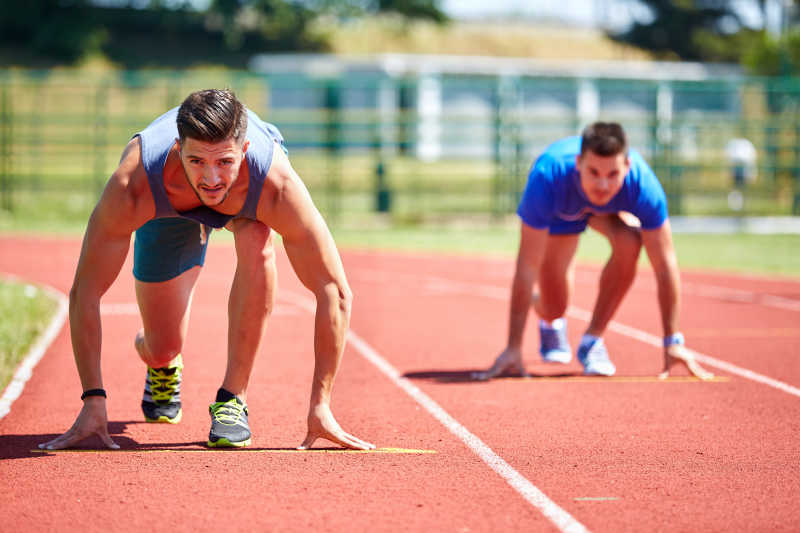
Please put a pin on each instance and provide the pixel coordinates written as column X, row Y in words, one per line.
column 228, row 412
column 163, row 383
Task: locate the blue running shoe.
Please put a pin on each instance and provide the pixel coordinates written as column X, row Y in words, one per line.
column 554, row 345
column 594, row 358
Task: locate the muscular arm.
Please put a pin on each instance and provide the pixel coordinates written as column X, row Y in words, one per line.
column 105, row 246
column 661, row 252
column 529, row 260
column 315, row 259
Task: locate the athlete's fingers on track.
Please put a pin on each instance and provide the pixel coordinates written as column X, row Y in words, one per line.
column 350, row 441
column 700, row 372
column 64, row 441
column 308, row 441
column 345, row 439
column 108, row 441
column 679, row 355
column 499, row 366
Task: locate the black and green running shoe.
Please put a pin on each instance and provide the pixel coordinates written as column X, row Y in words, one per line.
column 161, row 401
column 229, row 427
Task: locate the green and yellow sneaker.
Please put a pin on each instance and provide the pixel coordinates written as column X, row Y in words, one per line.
column 229, row 427
column 161, row 401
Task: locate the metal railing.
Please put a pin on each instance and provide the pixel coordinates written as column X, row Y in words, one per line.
column 365, row 145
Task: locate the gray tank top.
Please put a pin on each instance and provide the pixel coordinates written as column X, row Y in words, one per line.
column 158, row 138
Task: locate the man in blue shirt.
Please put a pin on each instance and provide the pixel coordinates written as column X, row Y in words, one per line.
column 592, row 180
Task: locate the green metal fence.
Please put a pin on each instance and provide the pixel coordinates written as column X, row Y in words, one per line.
column 62, row 132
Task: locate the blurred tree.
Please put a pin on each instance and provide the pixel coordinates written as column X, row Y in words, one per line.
column 61, row 29
column 685, row 29
column 226, row 32
column 411, row 9
column 712, row 30
column 771, row 56
column 420, row 9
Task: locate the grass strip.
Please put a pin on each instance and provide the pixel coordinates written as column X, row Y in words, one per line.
column 25, row 312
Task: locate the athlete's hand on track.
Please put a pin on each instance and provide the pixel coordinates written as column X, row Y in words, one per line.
column 321, row 424
column 677, row 354
column 507, row 363
column 92, row 420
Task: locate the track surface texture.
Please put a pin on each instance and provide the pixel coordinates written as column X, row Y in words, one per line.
column 556, row 452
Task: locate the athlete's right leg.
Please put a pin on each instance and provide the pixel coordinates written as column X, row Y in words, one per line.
column 551, row 297
column 615, row 280
column 556, row 277
column 168, row 255
column 164, row 307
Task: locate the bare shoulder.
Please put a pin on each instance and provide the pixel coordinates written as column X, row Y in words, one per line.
column 285, row 202
column 127, row 200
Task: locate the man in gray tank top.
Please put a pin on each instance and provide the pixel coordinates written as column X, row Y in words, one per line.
column 210, row 163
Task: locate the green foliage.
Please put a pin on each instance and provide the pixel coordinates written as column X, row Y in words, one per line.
column 773, row 57
column 420, row 9
column 411, row 9
column 63, row 30
column 175, row 34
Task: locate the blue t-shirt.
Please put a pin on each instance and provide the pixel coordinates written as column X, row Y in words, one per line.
column 554, row 198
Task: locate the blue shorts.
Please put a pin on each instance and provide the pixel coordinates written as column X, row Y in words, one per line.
column 165, row 248
column 568, row 227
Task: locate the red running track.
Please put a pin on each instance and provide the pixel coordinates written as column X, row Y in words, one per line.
column 619, row 454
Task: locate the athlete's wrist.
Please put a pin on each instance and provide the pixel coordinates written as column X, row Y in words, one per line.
column 94, row 393
column 675, row 338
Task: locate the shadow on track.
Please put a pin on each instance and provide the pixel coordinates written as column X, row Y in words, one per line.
column 21, row 446
column 468, row 376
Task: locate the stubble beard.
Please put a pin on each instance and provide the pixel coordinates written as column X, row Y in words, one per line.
column 197, row 193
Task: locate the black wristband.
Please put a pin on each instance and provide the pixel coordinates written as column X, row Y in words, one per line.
column 93, row 392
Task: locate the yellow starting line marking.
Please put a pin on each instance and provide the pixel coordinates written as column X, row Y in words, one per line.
column 407, row 451
column 620, row 379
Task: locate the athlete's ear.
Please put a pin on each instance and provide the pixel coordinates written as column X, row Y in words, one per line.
column 578, row 161
column 245, row 146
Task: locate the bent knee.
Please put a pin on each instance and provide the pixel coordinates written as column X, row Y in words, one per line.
column 627, row 241
column 254, row 241
column 161, row 351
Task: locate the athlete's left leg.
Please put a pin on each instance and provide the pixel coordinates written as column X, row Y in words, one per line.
column 620, row 270
column 251, row 301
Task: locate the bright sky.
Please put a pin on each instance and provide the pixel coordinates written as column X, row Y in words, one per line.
column 611, row 13
column 615, row 14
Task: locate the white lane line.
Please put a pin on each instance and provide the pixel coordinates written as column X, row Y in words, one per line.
column 561, row 518
column 25, row 369
column 702, row 290
column 741, row 296
column 498, row 293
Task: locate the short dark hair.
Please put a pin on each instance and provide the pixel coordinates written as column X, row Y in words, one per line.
column 604, row 139
column 212, row 115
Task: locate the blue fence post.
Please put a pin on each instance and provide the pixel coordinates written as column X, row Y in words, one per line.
column 333, row 143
